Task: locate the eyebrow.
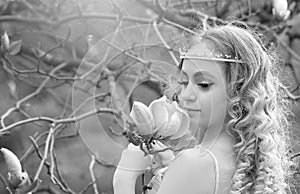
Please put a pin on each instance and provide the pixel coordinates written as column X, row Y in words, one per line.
column 204, row 74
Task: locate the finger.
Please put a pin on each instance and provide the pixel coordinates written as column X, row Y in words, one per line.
column 134, row 159
column 163, row 157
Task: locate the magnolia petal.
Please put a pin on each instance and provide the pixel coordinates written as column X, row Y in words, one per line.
column 170, row 107
column 185, row 122
column 160, row 115
column 145, row 129
column 163, row 101
column 157, row 103
column 173, row 125
column 142, row 117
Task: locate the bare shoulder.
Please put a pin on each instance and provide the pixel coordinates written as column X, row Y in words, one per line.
column 224, row 154
column 226, row 162
column 199, row 171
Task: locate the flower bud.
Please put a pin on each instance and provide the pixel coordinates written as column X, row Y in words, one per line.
column 15, row 176
column 280, row 9
column 143, row 118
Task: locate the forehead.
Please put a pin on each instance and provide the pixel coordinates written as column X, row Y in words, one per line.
column 191, row 66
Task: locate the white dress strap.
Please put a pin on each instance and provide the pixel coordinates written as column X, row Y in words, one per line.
column 216, row 168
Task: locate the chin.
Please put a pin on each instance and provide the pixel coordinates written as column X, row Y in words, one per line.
column 195, row 121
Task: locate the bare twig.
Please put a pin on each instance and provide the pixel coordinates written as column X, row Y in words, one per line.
column 61, row 185
column 59, row 121
column 5, row 129
column 45, row 155
column 92, row 163
column 101, row 16
column 33, row 146
column 106, row 52
column 3, row 180
column 295, row 155
column 31, row 95
column 52, row 163
column 164, row 42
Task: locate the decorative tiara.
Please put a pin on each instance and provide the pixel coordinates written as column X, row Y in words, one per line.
column 185, row 54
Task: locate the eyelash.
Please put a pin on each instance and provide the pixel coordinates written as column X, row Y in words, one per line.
column 205, row 85
column 202, row 85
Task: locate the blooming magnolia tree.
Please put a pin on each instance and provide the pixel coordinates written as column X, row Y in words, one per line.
column 81, row 79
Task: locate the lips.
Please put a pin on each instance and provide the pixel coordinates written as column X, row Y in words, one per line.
column 192, row 109
column 192, row 112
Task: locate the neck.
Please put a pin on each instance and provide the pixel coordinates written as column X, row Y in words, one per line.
column 213, row 135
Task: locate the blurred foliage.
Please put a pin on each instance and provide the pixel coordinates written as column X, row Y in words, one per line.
column 71, row 68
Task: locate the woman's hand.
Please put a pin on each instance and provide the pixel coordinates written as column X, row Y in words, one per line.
column 133, row 163
column 162, row 156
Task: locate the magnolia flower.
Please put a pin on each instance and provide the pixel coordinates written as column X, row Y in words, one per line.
column 162, row 118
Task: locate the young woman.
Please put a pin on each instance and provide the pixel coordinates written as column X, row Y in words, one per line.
column 231, row 91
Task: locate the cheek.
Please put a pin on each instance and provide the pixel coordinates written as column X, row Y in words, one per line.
column 219, row 106
column 214, row 101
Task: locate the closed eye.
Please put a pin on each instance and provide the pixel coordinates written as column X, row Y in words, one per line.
column 205, row 85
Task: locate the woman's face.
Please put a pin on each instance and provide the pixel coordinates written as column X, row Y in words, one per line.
column 203, row 94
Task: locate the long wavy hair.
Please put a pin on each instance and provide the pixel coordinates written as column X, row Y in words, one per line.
column 257, row 110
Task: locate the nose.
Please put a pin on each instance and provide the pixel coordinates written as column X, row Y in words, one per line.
column 188, row 94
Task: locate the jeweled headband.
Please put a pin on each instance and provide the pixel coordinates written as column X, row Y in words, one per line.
column 185, row 54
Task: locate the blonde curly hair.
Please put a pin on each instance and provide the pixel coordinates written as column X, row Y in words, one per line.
column 258, row 112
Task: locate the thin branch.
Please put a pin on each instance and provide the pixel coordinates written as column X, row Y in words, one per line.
column 88, row 114
column 29, row 96
column 106, row 54
column 101, row 16
column 100, row 95
column 92, row 163
column 164, row 42
column 57, row 99
column 52, row 158
column 3, row 180
column 45, row 155
column 32, row 147
column 295, row 155
column 24, row 21
column 58, row 121
column 61, row 185
column 16, row 124
column 60, row 177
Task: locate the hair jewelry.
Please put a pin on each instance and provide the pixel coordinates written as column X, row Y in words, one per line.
column 185, row 54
